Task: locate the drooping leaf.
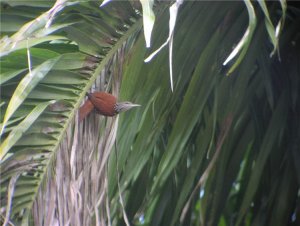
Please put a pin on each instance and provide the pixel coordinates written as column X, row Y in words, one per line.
column 242, row 46
column 26, row 85
column 148, row 20
column 19, row 130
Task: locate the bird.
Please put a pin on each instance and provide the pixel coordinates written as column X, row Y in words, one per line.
column 105, row 104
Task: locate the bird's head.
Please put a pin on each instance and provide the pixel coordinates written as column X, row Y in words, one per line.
column 124, row 106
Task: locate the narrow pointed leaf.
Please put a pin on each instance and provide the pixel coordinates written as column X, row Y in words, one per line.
column 244, row 43
column 26, row 85
column 148, row 20
column 269, row 26
column 20, row 129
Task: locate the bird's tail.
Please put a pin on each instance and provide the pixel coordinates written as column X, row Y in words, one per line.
column 85, row 109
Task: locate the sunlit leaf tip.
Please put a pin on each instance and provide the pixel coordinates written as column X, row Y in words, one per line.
column 105, row 2
column 148, row 20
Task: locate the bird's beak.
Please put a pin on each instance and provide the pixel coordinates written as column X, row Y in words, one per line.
column 129, row 106
column 135, row 105
column 125, row 106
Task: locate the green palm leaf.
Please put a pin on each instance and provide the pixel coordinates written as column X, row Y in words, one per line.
column 62, row 72
column 218, row 150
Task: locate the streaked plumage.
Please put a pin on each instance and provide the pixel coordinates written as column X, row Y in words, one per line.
column 104, row 104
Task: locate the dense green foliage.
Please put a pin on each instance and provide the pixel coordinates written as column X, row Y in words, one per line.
column 218, row 150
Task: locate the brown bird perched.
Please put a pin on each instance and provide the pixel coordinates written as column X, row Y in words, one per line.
column 104, row 104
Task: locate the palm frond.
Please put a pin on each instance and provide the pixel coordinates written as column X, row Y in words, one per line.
column 47, row 81
column 218, row 150
column 164, row 148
